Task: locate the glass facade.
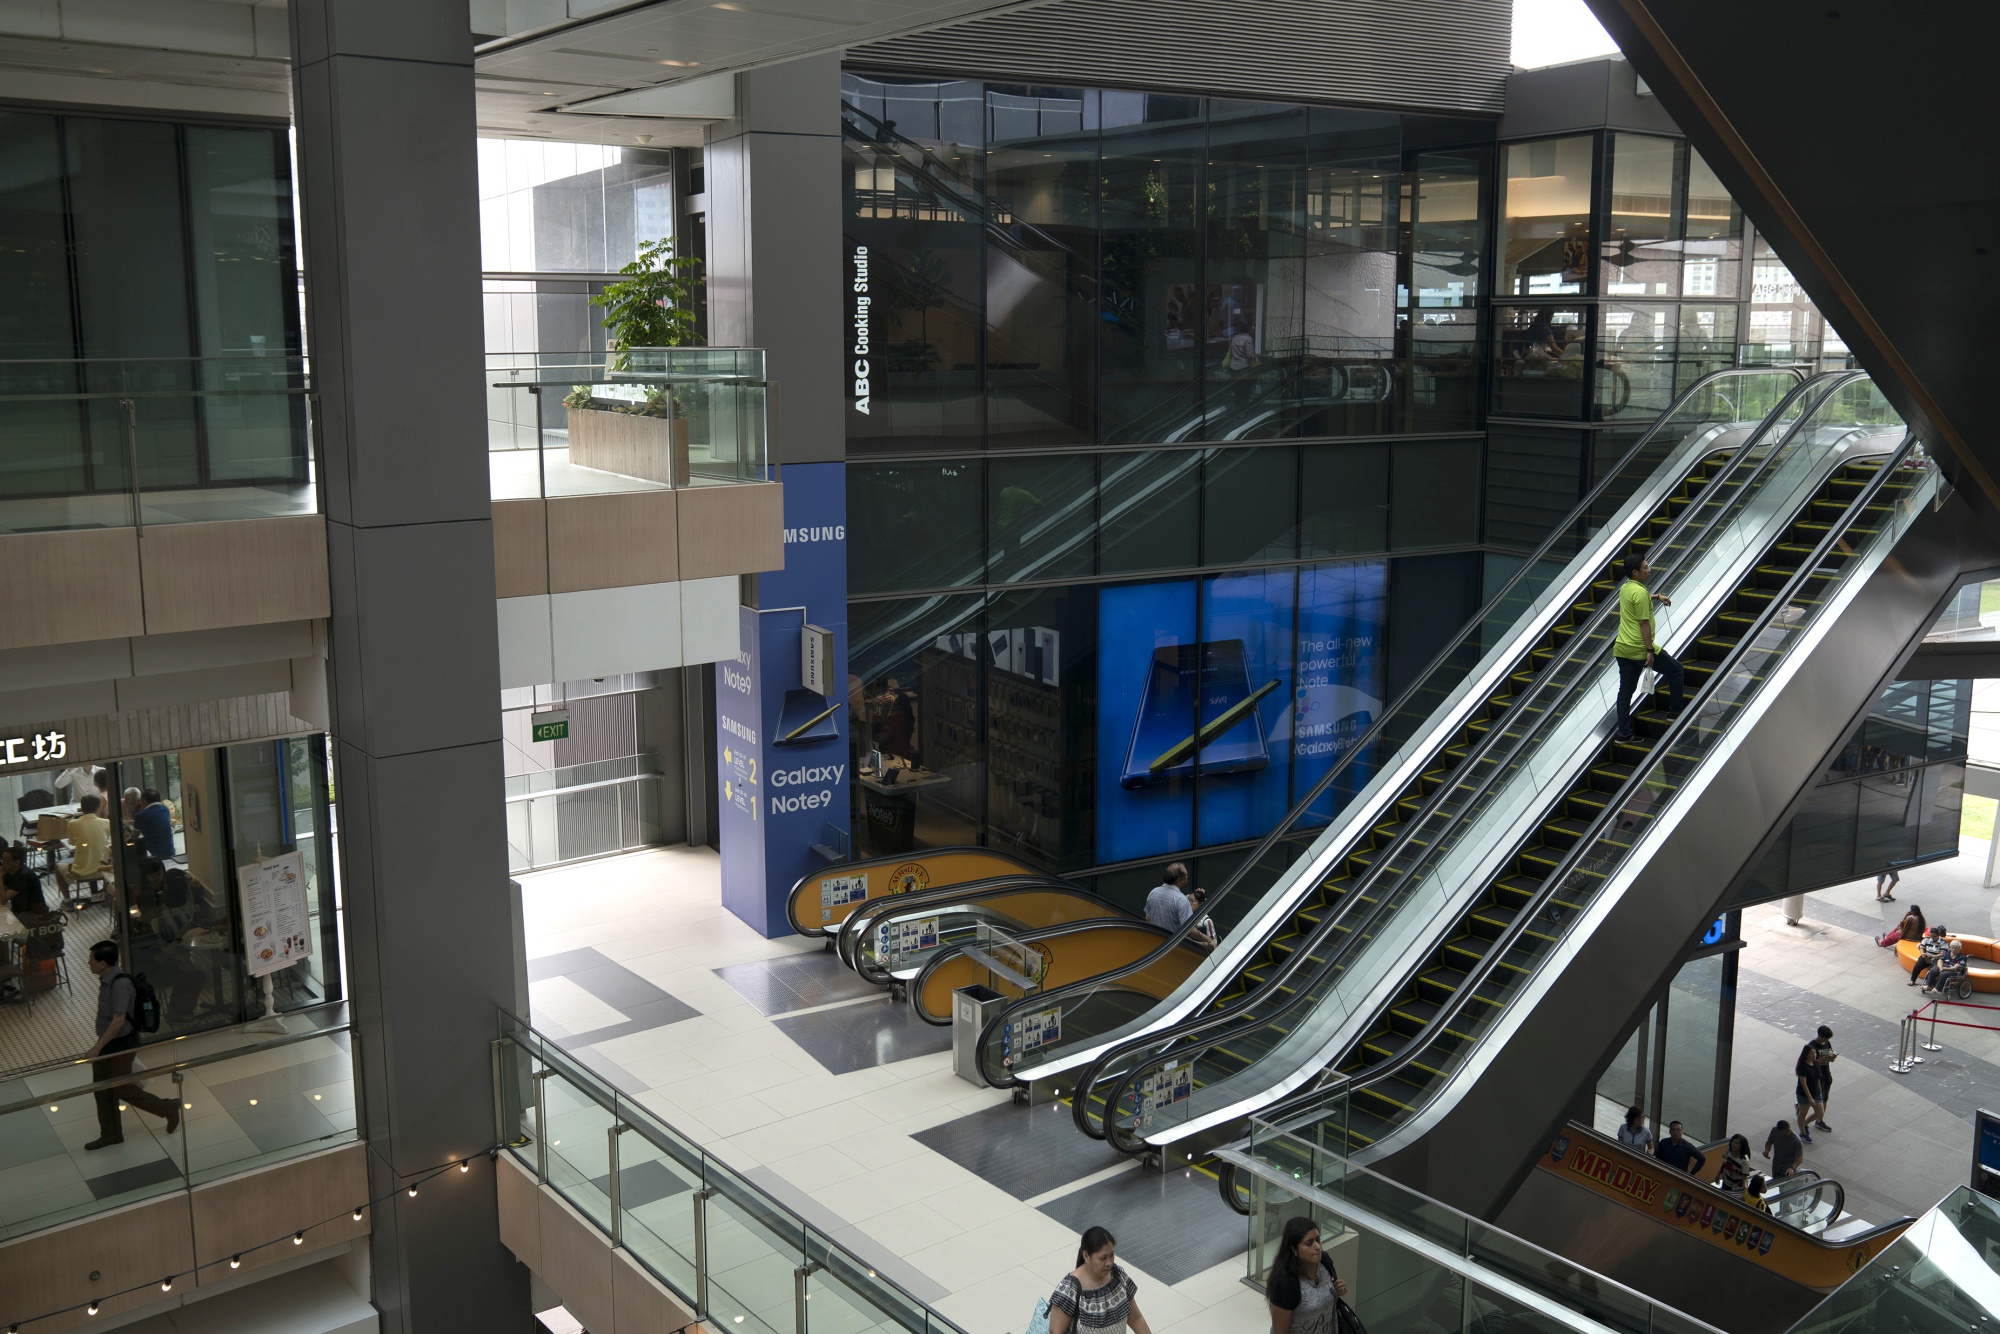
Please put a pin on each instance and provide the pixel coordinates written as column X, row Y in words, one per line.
column 1055, row 267
column 1675, row 1065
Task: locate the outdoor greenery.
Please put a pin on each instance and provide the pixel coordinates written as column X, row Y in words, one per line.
column 654, row 306
column 659, row 402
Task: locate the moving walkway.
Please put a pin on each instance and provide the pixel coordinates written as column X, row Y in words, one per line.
column 1306, row 869
column 1500, row 876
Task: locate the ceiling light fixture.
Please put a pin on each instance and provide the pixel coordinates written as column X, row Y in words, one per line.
column 235, row 1262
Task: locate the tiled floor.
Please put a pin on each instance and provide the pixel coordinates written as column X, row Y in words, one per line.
column 60, row 1022
column 844, row 1107
column 1899, row 1142
column 238, row 1112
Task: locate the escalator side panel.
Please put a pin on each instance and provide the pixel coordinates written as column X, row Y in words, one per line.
column 1474, row 1150
column 1070, row 956
column 821, row 901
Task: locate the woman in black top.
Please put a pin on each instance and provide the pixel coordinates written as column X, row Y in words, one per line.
column 1303, row 1290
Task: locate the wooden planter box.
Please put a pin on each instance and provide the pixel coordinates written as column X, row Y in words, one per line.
column 652, row 448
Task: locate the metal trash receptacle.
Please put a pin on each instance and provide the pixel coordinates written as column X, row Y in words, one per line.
column 971, row 1008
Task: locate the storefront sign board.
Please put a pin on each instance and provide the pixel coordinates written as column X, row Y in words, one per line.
column 277, row 925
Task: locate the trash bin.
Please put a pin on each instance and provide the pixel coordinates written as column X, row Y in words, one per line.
column 971, row 1008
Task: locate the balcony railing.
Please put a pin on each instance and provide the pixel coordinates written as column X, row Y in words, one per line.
column 736, row 1256
column 650, row 419
column 133, row 443
column 247, row 1101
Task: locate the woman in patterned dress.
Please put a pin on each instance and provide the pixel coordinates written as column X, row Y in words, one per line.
column 1096, row 1297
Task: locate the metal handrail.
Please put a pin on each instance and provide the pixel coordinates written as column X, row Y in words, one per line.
column 1366, row 742
column 158, row 1071
column 1614, row 805
column 1360, row 929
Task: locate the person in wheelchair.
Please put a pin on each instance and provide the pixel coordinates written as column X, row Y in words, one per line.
column 1948, row 972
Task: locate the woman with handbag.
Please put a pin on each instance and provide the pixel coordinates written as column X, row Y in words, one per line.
column 1304, row 1292
column 1096, row 1297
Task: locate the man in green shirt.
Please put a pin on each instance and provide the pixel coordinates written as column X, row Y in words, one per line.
column 1635, row 648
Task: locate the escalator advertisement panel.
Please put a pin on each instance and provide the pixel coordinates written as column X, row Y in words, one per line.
column 1647, row 1186
column 827, row 899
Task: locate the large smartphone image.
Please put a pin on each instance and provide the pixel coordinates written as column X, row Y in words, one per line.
column 1166, row 737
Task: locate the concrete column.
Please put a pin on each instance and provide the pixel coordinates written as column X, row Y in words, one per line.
column 383, row 101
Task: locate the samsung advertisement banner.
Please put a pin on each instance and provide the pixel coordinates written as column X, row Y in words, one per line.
column 782, row 710
column 1229, row 697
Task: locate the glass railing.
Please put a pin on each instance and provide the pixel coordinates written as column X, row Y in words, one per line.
column 583, row 810
column 1536, row 932
column 1414, row 888
column 1295, row 855
column 135, row 443
column 245, row 1101
column 646, row 419
column 1488, row 1273
column 1939, row 1275
column 737, row 1257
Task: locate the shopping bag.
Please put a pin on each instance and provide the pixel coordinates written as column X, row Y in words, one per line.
column 1039, row 1324
column 1344, row 1319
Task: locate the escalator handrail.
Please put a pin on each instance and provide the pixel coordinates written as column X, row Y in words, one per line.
column 864, row 919
column 947, row 953
column 1409, row 696
column 1614, row 806
column 972, row 906
column 1306, row 993
column 861, row 863
column 1817, row 1184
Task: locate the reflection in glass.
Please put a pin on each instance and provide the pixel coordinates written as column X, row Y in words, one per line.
column 913, row 525
column 1247, row 509
column 1348, row 385
column 1148, row 511
column 1545, row 217
column 1635, row 353
column 1642, row 217
column 1041, row 726
column 1712, row 258
column 1693, row 1075
column 913, row 692
column 1041, row 518
column 1041, row 266
column 1434, row 493
column 1253, row 322
column 1344, row 500
column 1538, row 360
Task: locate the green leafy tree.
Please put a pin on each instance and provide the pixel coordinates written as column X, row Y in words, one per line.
column 654, row 306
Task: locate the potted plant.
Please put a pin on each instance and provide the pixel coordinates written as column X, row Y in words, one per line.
column 652, row 307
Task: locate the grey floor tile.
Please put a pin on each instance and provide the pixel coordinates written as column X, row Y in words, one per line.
column 1173, row 1225
column 796, row 982
column 638, row 1019
column 29, row 1139
column 1024, row 1151
column 561, row 965
column 133, row 1178
column 643, row 1184
column 856, row 1037
column 604, row 1068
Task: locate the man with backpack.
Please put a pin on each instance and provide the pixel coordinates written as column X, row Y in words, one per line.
column 126, row 1007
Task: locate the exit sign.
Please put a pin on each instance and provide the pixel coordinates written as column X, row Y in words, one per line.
column 551, row 726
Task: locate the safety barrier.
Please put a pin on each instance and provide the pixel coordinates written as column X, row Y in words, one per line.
column 1908, row 1032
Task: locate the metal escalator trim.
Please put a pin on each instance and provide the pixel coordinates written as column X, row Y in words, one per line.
column 1815, row 393
column 1137, row 928
column 1662, row 824
column 806, row 885
column 863, row 921
column 1497, row 664
column 1016, row 908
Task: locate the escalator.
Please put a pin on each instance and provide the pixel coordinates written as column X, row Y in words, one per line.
column 889, row 941
column 1501, row 880
column 820, row 903
column 1063, row 954
column 1308, row 868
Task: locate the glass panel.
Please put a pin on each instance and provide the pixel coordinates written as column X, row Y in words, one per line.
column 1823, row 836
column 1694, row 1030
column 1351, row 221
column 579, row 1155
column 1707, row 342
column 1152, row 318
column 751, row 1255
column 1448, row 244
column 1434, row 493
column 656, row 1204
column 1148, row 511
column 1890, row 809
column 181, row 913
column 841, row 1299
column 1635, row 353
column 1041, row 518
column 1148, row 662
column 1642, row 217
column 1545, row 216
column 42, row 445
column 1533, row 480
column 1345, row 500
column 1247, row 512
column 1254, row 328
column 915, row 203
column 1713, row 254
column 292, row 1100
column 914, row 525
column 1538, row 361
column 919, row 761
column 1943, row 796
column 1041, row 267
column 1041, row 726
column 1404, row 1290
column 1247, row 671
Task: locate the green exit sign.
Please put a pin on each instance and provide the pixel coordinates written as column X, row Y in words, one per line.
column 549, row 726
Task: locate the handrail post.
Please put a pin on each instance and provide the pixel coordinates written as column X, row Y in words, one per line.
column 701, row 1249
column 180, row 1100
column 611, row 1134
column 1932, row 1045
column 129, row 414
column 541, row 1078
column 801, row 1291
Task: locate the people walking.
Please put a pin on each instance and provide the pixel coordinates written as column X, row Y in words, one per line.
column 111, row 1055
column 1784, row 1150
column 1096, row 1297
column 1809, row 1091
column 1885, row 886
column 1678, row 1152
column 1303, row 1289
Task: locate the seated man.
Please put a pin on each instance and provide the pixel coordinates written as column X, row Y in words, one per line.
column 154, row 822
column 1949, row 968
column 89, row 836
column 20, row 888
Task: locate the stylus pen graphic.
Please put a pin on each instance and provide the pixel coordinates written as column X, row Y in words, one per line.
column 1225, row 720
column 821, row 717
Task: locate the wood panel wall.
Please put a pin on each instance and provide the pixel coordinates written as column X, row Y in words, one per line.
column 732, row 529
column 569, row 544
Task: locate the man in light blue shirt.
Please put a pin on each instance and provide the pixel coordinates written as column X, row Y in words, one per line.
column 1167, row 906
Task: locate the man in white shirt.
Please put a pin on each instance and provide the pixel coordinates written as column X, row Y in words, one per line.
column 1167, row 906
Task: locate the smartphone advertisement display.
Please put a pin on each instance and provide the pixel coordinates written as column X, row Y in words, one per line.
column 1220, row 701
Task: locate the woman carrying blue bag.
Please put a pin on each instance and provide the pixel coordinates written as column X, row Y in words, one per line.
column 1096, row 1297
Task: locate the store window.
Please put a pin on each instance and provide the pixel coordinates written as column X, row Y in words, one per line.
column 919, row 755
column 914, row 525
column 1635, row 353
column 1712, row 259
column 1041, row 518
column 1539, row 361
column 1545, row 217
column 1041, row 689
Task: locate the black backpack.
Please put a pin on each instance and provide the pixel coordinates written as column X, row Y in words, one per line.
column 145, row 1005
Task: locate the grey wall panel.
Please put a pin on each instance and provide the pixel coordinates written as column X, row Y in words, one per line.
column 1438, row 55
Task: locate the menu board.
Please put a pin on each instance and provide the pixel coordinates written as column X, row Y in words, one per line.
column 277, row 930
